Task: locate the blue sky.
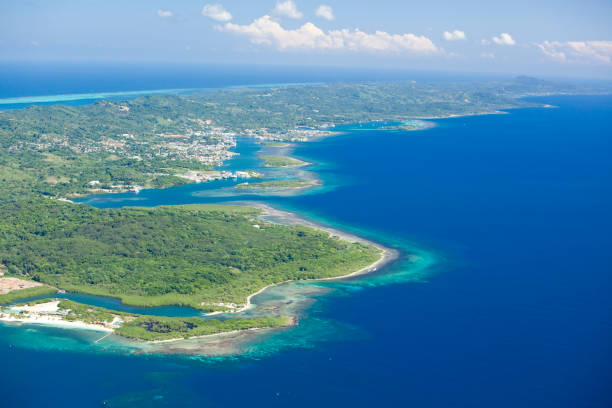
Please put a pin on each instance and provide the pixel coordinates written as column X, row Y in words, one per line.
column 561, row 37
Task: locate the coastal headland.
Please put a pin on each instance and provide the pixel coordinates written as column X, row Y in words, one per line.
column 73, row 315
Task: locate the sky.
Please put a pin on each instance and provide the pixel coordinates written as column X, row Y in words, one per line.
column 537, row 37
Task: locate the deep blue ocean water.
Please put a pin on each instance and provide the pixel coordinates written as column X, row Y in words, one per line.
column 517, row 313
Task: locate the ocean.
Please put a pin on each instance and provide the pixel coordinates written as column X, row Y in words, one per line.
column 513, row 309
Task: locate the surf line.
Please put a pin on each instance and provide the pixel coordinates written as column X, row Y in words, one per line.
column 102, row 338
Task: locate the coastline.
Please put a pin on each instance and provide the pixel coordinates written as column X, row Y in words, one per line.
column 269, row 214
column 221, row 334
column 55, row 322
column 465, row 115
column 288, row 218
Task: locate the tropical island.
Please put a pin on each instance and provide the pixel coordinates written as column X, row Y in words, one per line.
column 276, row 144
column 149, row 142
column 282, row 161
column 278, row 185
column 213, row 258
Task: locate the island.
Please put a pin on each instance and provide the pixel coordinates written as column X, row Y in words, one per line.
column 154, row 141
column 213, row 258
column 278, row 185
column 282, row 161
column 276, row 144
column 410, row 125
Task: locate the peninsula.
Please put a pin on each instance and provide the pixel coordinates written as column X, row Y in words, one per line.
column 69, row 314
column 210, row 257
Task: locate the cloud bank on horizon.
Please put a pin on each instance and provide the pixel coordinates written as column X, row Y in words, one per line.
column 537, row 38
column 578, row 51
column 268, row 30
column 265, row 30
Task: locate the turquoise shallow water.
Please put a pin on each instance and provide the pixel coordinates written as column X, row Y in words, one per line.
column 516, row 311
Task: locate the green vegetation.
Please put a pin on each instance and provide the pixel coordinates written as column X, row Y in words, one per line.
column 151, row 328
column 200, row 256
column 410, row 125
column 182, row 255
column 282, row 161
column 169, row 328
column 108, row 146
column 115, row 146
column 277, row 184
column 89, row 314
column 26, row 293
column 281, row 110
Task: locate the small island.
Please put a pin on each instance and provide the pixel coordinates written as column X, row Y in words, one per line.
column 282, row 161
column 276, row 144
column 410, row 125
column 278, row 185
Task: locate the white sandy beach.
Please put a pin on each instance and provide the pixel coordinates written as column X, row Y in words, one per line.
column 43, row 314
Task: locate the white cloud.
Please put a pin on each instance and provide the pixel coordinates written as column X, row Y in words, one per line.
column 325, row 12
column 454, row 35
column 264, row 30
column 488, row 55
column 164, row 13
column 578, row 51
column 216, row 12
column 287, row 9
column 552, row 49
column 504, row 39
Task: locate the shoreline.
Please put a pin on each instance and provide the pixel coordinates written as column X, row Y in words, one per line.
column 387, row 254
column 294, row 322
column 464, row 115
column 51, row 322
column 269, row 214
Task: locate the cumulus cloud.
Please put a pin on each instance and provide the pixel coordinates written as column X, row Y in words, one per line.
column 164, row 13
column 287, row 9
column 264, row 30
column 325, row 12
column 216, row 12
column 504, row 39
column 578, row 51
column 454, row 35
